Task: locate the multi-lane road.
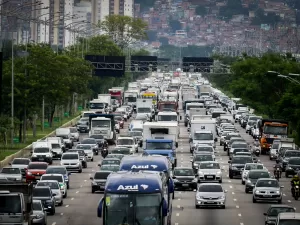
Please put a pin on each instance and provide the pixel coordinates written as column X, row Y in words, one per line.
column 80, row 207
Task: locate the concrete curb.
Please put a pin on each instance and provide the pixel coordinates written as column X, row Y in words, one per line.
column 25, row 152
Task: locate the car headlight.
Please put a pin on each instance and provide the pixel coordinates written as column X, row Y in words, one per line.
column 290, row 168
column 195, row 180
column 248, row 181
column 277, row 192
column 234, row 168
column 175, row 181
column 78, row 163
column 200, row 174
column 94, row 183
column 198, row 197
column 39, row 216
column 222, row 197
column 256, row 192
column 219, row 173
column 195, row 164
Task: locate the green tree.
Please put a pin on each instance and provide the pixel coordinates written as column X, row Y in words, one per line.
column 124, row 30
column 201, row 10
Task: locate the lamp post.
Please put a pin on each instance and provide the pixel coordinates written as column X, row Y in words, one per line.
column 12, row 92
column 287, row 77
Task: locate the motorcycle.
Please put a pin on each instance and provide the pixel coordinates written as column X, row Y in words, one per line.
column 277, row 173
column 296, row 192
column 256, row 152
column 104, row 152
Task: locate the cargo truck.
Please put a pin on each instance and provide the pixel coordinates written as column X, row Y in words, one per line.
column 103, row 124
column 117, row 93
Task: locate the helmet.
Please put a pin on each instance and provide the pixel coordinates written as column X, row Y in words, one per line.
column 296, row 177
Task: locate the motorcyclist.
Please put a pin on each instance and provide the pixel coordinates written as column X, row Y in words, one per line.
column 295, row 182
column 276, row 166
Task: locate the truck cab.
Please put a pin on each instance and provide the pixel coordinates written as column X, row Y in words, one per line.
column 129, row 142
column 202, row 137
column 98, row 106
column 168, row 116
column 42, row 152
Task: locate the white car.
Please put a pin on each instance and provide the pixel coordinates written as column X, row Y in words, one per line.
column 74, row 133
column 209, row 171
column 54, row 185
column 71, row 160
column 201, row 148
column 250, row 166
column 60, row 179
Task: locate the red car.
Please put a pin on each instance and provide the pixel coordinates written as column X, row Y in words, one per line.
column 35, row 170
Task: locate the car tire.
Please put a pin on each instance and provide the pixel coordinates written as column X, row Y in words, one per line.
column 93, row 191
column 92, row 159
column 68, row 186
column 52, row 211
column 80, row 171
column 246, row 191
column 253, row 200
column 66, row 194
column 61, row 203
column 223, row 207
column 243, row 182
column 220, row 181
column 279, row 201
column 197, row 206
column 230, row 176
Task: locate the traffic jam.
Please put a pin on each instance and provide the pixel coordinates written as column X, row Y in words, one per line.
column 168, row 149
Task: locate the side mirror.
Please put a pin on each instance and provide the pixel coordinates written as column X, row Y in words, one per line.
column 91, row 178
column 99, row 164
column 196, row 175
column 277, row 161
column 191, row 140
column 165, row 208
column 225, row 191
column 216, row 139
column 99, row 209
column 229, row 161
column 31, row 152
column 265, row 214
column 53, row 194
column 281, row 186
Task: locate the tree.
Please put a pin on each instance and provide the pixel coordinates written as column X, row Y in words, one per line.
column 124, row 30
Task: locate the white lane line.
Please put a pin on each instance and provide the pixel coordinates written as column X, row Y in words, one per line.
column 90, row 175
column 230, row 186
column 227, row 175
column 181, row 159
column 84, row 180
column 180, row 151
column 229, row 180
column 237, row 206
column 225, row 171
column 176, row 223
column 284, row 194
column 234, row 200
column 233, row 193
column 77, row 192
column 181, row 166
column 289, row 201
column 239, row 215
column 181, row 148
column 179, row 199
column 178, row 206
column 179, row 192
column 62, row 214
column 177, row 214
column 72, row 199
column 241, row 224
column 67, row 206
column 81, row 186
column 54, row 223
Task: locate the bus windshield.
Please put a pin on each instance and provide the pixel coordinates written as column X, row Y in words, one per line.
column 130, row 208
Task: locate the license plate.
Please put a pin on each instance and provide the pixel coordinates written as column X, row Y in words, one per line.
column 210, row 176
column 102, row 186
column 41, row 159
column 37, row 177
column 267, row 196
column 210, row 202
column 185, row 185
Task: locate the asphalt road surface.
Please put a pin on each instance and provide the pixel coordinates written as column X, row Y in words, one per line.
column 80, row 207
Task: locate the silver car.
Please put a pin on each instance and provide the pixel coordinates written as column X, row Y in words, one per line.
column 38, row 216
column 12, row 174
column 21, row 163
column 267, row 189
column 54, row 185
column 210, row 195
column 248, row 167
column 209, row 171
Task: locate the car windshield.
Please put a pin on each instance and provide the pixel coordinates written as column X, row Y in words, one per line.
column 125, row 142
column 118, row 118
column 84, row 147
column 294, row 161
column 210, row 188
column 277, row 130
column 204, row 149
column 52, row 177
column 57, row 170
column 251, row 123
column 203, row 136
column 232, row 140
column 118, row 156
column 99, row 176
column 183, row 172
column 143, row 110
column 289, row 222
column 41, row 150
column 239, row 150
column 267, row 183
column 73, row 129
column 275, row 145
column 37, row 166
column 110, row 168
column 52, row 185
column 159, row 145
column 70, row 156
column 136, row 133
column 209, row 166
column 101, row 123
column 55, row 146
column 137, row 129
column 228, row 137
column 254, row 167
column 110, row 161
column 276, row 210
column 241, row 160
column 11, row 170
column 292, row 154
column 89, row 141
column 203, row 158
column 97, row 136
column 21, row 161
column 124, row 151
column 41, row 192
column 258, row 174
column 36, row 206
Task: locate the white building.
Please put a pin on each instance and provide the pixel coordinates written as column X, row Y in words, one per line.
column 66, row 34
column 129, row 8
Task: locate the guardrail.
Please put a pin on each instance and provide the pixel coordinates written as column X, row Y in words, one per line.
column 25, row 152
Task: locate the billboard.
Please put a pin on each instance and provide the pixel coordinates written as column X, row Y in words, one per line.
column 107, row 66
column 143, row 63
column 197, row 64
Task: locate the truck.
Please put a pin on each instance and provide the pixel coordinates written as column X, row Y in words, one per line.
column 105, row 98
column 204, row 90
column 270, row 129
column 148, row 193
column 97, row 106
column 155, row 130
column 287, row 143
column 168, row 116
column 133, row 86
column 144, row 106
column 116, row 94
column 203, row 132
column 166, row 105
column 16, row 203
column 130, row 97
column 103, row 124
column 188, row 106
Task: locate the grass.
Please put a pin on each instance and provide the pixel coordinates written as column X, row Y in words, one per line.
column 6, row 150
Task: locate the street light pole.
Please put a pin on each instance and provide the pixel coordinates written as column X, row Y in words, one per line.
column 287, row 76
column 12, row 92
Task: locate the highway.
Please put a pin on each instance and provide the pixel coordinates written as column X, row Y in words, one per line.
column 80, row 206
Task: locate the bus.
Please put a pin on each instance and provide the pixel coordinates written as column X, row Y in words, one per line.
column 134, row 198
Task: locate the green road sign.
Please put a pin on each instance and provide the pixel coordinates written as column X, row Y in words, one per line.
column 66, row 114
column 46, row 125
column 16, row 140
column 80, row 108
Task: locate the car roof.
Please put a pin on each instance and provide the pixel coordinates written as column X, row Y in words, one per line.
column 103, row 171
column 42, row 187
column 190, row 168
column 281, row 206
column 52, row 174
column 204, row 162
column 258, row 170
column 47, row 181
column 289, row 215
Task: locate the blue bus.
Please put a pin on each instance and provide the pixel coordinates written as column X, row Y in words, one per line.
column 134, row 198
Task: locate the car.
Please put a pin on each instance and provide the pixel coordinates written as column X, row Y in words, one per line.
column 252, row 178
column 237, row 164
column 229, row 143
column 82, row 156
column 288, row 218
column 71, row 161
column 13, row 174
column 293, row 166
column 204, row 148
column 267, row 189
column 21, row 163
column 60, row 170
column 210, row 195
column 250, row 166
column 110, row 161
column 184, row 178
column 273, row 212
column 236, row 143
column 110, row 167
column 120, row 120
column 200, row 157
column 121, row 150
column 92, row 142
column 285, row 155
column 102, row 143
column 46, row 195
column 35, row 170
column 54, row 185
column 118, row 156
column 38, row 215
column 74, row 133
column 60, row 179
column 227, row 139
column 209, row 172
column 83, row 125
column 255, row 160
column 88, row 151
column 99, row 180
column 138, row 135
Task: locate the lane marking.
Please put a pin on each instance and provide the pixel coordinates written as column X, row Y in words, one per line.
column 81, row 186
column 239, row 215
column 237, row 206
column 229, row 180
column 235, row 199
column 67, row 206
column 84, row 180
column 177, row 214
column 178, row 206
column 77, row 192
column 179, row 199
column 54, row 223
column 72, row 199
column 90, row 175
column 176, row 223
column 179, row 192
column 93, row 170
column 233, row 193
column 227, row 175
column 62, row 214
column 241, row 224
column 289, row 201
column 284, row 194
column 230, row 186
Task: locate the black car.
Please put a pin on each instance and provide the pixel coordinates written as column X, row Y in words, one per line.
column 46, row 196
column 83, row 125
column 237, row 164
column 184, row 178
column 200, row 157
column 293, row 166
column 253, row 176
column 99, row 180
column 274, row 210
column 285, row 156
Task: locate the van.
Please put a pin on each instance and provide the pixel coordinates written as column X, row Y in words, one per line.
column 66, row 135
